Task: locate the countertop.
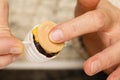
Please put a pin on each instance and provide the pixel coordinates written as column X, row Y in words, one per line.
column 49, row 75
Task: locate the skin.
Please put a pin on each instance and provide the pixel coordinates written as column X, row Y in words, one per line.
column 10, row 47
column 98, row 22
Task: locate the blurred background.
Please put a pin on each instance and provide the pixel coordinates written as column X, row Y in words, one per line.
column 23, row 16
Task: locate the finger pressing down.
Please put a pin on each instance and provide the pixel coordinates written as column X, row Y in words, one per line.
column 86, row 23
column 103, row 60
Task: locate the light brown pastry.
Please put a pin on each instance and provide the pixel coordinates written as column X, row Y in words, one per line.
column 41, row 39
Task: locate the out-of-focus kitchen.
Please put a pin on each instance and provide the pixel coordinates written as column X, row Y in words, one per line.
column 68, row 65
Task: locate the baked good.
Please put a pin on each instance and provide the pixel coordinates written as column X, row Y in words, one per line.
column 42, row 42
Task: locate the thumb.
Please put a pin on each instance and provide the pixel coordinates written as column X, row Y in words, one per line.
column 10, row 45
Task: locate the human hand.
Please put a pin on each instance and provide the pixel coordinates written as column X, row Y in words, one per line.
column 10, row 47
column 100, row 21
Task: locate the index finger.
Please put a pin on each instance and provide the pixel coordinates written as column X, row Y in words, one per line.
column 87, row 23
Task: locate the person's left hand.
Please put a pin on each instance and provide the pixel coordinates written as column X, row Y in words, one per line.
column 11, row 48
column 101, row 18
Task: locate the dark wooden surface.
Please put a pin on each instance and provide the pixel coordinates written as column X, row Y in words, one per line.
column 48, row 75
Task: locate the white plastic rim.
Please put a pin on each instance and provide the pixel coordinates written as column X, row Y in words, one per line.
column 31, row 52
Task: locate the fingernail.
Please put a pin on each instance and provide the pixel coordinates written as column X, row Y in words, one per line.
column 16, row 50
column 95, row 67
column 56, row 36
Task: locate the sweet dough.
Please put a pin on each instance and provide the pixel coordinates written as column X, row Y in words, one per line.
column 41, row 38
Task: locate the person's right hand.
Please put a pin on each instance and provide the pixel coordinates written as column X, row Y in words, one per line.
column 99, row 25
column 10, row 47
column 97, row 45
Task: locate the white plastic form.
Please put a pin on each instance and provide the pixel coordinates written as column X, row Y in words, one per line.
column 31, row 52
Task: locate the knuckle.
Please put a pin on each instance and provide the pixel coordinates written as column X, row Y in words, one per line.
column 5, row 30
column 98, row 18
